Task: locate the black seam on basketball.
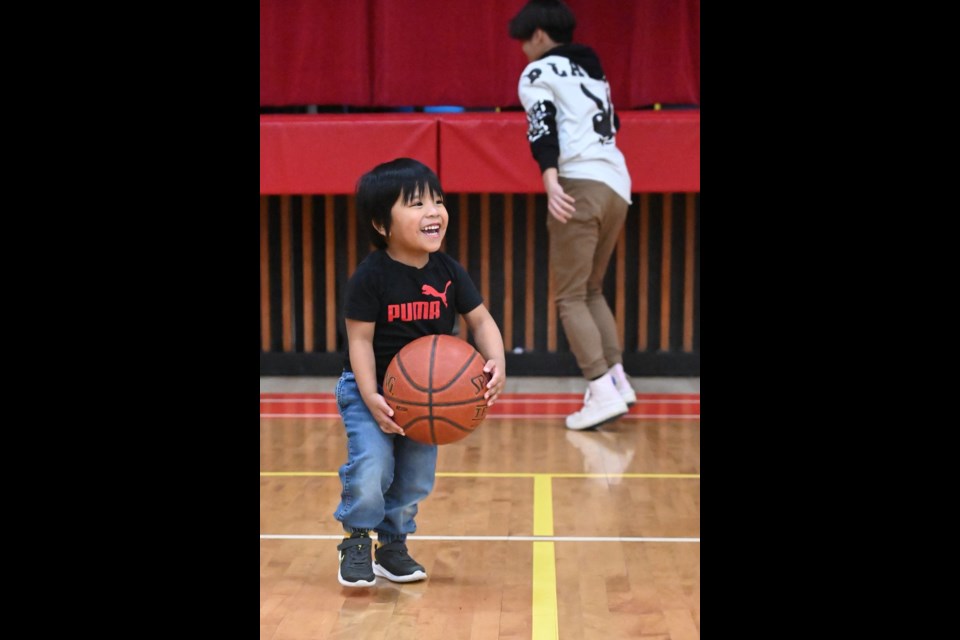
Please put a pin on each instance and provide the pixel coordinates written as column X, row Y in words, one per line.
column 459, row 373
column 406, row 375
column 410, row 403
column 453, row 424
column 433, row 358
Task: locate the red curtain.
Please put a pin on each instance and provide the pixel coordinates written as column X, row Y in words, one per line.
column 315, row 52
column 395, row 53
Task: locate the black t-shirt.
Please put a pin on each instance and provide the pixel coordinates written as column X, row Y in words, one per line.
column 405, row 302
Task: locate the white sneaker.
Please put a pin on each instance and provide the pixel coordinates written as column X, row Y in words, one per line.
column 623, row 384
column 601, row 403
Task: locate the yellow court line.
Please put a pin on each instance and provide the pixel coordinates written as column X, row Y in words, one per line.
column 545, row 610
column 542, row 505
column 648, row 476
column 298, row 474
column 545, row 617
column 458, row 474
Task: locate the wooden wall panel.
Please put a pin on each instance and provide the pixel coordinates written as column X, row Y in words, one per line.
column 464, row 248
column 264, row 276
column 665, row 273
column 529, row 293
column 485, row 247
column 688, row 271
column 308, row 267
column 309, row 246
column 352, row 231
column 620, row 265
column 286, row 274
column 330, row 272
column 507, row 326
column 643, row 295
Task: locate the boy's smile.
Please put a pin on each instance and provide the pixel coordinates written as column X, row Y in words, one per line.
column 417, row 228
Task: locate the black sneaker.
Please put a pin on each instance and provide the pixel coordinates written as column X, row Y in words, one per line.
column 355, row 568
column 394, row 563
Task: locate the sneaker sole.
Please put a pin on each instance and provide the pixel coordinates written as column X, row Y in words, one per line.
column 413, row 577
column 586, row 427
column 358, row 583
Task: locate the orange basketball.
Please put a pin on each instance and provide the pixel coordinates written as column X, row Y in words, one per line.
column 435, row 386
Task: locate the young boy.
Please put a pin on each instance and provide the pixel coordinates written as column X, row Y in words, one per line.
column 572, row 129
column 386, row 476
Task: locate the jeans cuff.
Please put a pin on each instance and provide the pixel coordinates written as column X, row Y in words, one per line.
column 387, row 538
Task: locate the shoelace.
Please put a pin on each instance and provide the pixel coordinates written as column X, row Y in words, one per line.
column 355, row 557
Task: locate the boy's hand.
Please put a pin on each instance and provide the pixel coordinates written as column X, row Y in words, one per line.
column 559, row 203
column 383, row 414
column 497, row 381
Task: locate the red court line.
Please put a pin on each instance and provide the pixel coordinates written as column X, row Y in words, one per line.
column 521, row 405
column 579, row 396
column 310, row 397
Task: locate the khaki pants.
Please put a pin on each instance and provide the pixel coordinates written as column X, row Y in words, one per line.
column 580, row 252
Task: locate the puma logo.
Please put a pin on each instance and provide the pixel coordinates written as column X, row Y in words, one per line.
column 427, row 290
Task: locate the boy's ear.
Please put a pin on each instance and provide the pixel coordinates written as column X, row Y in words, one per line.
column 379, row 228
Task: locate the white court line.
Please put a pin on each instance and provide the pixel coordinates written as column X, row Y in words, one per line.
column 579, row 399
column 500, row 401
column 499, row 416
column 490, row 538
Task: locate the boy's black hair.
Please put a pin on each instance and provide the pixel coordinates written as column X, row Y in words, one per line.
column 553, row 16
column 379, row 189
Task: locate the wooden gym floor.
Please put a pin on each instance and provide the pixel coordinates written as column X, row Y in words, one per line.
column 532, row 532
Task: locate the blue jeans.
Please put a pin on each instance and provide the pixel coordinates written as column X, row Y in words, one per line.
column 385, row 476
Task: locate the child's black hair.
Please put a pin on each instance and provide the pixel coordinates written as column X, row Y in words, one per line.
column 553, row 16
column 379, row 189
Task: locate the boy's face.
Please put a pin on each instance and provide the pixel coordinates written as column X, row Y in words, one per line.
column 417, row 227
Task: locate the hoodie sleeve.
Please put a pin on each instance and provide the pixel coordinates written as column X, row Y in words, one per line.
column 538, row 101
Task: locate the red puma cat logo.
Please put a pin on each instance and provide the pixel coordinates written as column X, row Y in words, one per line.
column 427, row 290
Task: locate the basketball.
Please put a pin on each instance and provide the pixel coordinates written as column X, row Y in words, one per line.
column 435, row 386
